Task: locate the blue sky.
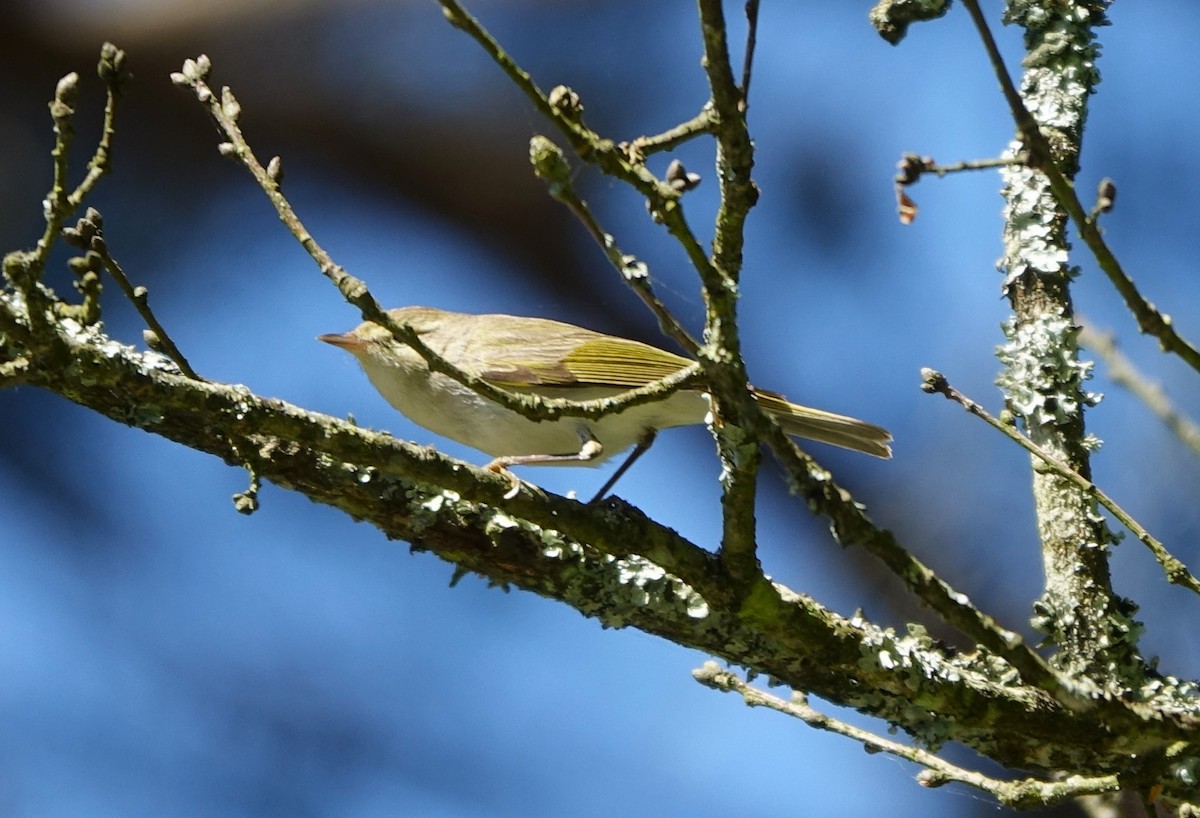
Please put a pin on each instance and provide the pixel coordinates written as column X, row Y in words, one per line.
column 165, row 655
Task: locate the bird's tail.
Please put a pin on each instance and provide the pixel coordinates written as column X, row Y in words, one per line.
column 826, row 427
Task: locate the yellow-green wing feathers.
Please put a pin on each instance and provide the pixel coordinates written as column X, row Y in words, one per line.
column 622, row 363
column 589, row 359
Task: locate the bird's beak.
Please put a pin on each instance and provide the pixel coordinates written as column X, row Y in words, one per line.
column 346, row 340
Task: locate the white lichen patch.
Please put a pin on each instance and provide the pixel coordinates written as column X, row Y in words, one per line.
column 595, row 583
column 1042, row 376
column 654, row 582
column 436, row 502
column 1173, row 695
column 499, row 521
column 159, row 362
column 94, row 336
column 1054, row 95
column 1032, row 235
column 639, row 572
column 244, row 403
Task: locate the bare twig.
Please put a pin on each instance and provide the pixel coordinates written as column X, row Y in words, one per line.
column 225, row 111
column 57, row 207
column 551, row 167
column 1150, row 321
column 113, row 71
column 912, row 167
column 59, row 203
column 672, row 138
column 1123, row 373
column 90, row 229
column 751, row 42
column 1027, row 792
column 1176, row 572
column 662, row 199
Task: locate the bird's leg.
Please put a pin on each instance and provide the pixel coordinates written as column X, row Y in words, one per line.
column 589, row 449
column 643, row 444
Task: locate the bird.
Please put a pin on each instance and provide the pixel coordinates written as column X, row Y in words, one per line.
column 556, row 360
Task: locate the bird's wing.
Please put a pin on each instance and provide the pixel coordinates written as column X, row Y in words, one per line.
column 586, row 359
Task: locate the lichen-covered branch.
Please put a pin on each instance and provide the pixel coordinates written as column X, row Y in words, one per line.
column 936, row 771
column 1096, row 721
column 1176, row 572
column 744, row 421
column 1043, row 375
column 609, row 561
column 1046, row 44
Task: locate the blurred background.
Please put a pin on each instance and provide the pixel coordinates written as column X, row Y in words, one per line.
column 161, row 654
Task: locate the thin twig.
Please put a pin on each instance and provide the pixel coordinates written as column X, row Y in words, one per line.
column 1176, row 572
column 1027, row 792
column 225, row 112
column 551, row 167
column 850, row 525
column 751, row 42
column 1123, row 373
column 112, row 70
column 60, row 204
column 698, row 125
column 1150, row 321
column 912, row 167
column 140, row 298
column 662, row 199
column 62, row 111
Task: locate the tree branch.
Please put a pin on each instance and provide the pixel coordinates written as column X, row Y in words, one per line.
column 1043, row 376
column 1176, row 572
column 1022, row 794
column 1150, row 321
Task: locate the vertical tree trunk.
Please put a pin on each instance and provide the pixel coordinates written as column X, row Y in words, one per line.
column 1043, row 376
